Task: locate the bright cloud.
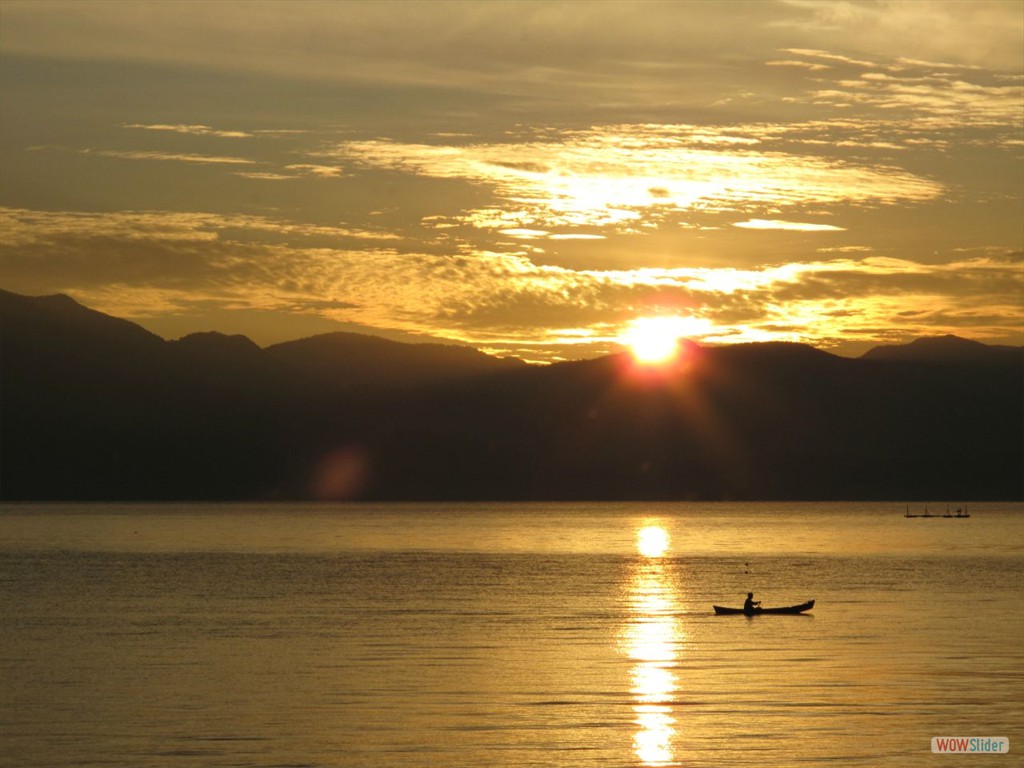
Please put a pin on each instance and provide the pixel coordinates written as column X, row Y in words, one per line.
column 793, row 226
column 319, row 171
column 616, row 175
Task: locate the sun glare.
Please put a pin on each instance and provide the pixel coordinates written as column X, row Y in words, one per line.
column 654, row 340
column 652, row 541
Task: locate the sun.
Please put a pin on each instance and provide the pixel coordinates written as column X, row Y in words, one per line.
column 654, row 340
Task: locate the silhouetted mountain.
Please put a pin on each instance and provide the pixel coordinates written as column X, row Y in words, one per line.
column 60, row 319
column 946, row 349
column 217, row 346
column 96, row 408
column 54, row 334
column 93, row 406
column 351, row 360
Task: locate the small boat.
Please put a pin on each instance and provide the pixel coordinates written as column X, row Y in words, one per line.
column 789, row 609
column 926, row 513
column 961, row 513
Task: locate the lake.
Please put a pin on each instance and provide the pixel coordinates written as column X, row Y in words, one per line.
column 506, row 635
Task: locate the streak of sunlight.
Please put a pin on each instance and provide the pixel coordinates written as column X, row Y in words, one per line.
column 651, row 639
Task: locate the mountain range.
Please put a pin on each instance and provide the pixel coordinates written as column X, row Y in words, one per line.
column 94, row 407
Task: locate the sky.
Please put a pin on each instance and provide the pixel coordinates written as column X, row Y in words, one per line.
column 531, row 178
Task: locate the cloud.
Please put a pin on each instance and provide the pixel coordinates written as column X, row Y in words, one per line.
column 794, row 226
column 318, row 171
column 846, row 249
column 525, row 234
column 523, row 49
column 956, row 104
column 541, row 234
column 827, row 56
column 614, row 52
column 814, row 67
column 176, row 157
column 23, row 226
column 945, row 95
column 194, row 130
column 264, row 175
column 142, row 264
column 298, row 171
column 616, row 176
column 924, row 30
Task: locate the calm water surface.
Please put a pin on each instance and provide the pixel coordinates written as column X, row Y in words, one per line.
column 506, row 635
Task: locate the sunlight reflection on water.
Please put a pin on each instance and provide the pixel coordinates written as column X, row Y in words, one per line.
column 652, row 638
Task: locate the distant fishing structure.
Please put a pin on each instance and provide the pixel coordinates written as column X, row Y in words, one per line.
column 961, row 513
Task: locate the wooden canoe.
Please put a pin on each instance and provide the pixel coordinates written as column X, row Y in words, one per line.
column 789, row 609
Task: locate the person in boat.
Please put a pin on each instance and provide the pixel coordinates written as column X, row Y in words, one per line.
column 750, row 605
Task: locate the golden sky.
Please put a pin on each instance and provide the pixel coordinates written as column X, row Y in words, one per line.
column 527, row 177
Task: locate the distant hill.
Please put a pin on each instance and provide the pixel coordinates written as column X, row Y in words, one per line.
column 946, row 349
column 46, row 330
column 350, row 360
column 55, row 333
column 215, row 346
column 93, row 407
